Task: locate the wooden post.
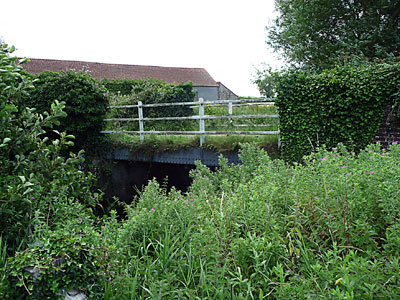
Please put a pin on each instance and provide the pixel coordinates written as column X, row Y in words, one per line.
column 141, row 126
column 202, row 126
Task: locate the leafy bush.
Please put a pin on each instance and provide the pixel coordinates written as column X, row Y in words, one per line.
column 345, row 104
column 122, row 87
column 43, row 196
column 64, row 260
column 85, row 98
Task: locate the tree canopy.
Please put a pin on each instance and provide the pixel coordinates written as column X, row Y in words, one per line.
column 321, row 33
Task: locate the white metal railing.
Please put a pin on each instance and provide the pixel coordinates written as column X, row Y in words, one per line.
column 201, row 117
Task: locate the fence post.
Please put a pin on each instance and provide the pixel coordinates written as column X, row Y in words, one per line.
column 140, row 114
column 230, row 109
column 202, row 127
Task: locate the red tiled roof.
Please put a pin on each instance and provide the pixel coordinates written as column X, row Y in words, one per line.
column 198, row 76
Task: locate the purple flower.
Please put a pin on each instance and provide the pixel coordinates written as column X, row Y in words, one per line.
column 331, row 217
column 80, row 220
column 371, row 172
column 369, row 151
column 365, row 172
column 322, row 159
column 33, row 198
column 347, row 174
column 315, row 197
column 344, row 166
column 67, row 188
column 153, row 209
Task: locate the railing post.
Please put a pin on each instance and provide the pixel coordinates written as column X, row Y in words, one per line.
column 230, row 109
column 202, row 126
column 140, row 115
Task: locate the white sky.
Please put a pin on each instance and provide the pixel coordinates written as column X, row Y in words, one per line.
column 226, row 37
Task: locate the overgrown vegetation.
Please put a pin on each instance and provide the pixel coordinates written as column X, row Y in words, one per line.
column 86, row 102
column 345, row 104
column 42, row 195
column 158, row 143
column 266, row 230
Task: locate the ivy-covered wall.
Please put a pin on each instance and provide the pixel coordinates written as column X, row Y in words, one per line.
column 345, row 104
column 389, row 131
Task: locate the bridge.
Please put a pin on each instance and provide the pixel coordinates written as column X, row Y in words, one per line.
column 239, row 116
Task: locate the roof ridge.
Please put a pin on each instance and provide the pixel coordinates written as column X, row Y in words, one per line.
column 112, row 71
column 106, row 63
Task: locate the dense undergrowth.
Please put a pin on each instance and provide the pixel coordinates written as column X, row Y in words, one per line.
column 266, row 230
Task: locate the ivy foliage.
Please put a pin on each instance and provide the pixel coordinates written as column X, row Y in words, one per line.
column 85, row 98
column 345, row 104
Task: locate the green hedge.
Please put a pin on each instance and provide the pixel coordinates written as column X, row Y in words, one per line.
column 121, row 86
column 86, row 102
column 344, row 104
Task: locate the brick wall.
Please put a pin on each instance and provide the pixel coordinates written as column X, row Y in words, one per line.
column 389, row 131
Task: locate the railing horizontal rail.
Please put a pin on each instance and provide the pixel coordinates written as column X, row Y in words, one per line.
column 194, row 118
column 193, row 132
column 208, row 102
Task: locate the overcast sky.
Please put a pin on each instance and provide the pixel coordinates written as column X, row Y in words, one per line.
column 226, row 37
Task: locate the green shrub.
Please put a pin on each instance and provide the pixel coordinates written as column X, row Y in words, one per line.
column 64, row 259
column 44, row 197
column 85, row 98
column 345, row 104
column 122, row 86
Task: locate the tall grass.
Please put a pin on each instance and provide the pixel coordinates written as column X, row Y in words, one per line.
column 328, row 229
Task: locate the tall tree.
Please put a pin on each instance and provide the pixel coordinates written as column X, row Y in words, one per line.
column 321, row 33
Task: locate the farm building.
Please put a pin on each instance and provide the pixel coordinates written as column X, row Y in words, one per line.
column 203, row 84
